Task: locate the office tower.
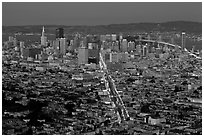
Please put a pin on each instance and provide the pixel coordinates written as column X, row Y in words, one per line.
column 113, row 57
column 56, row 46
column 183, row 40
column 114, row 36
column 172, row 40
column 90, row 46
column 76, row 43
column 62, row 46
column 120, row 37
column 108, row 37
column 43, row 37
column 145, row 51
column 107, row 57
column 31, row 52
column 82, row 55
column 59, row 33
column 85, row 41
column 21, row 48
column 102, row 38
column 15, row 42
column 200, row 54
column 11, row 39
column 193, row 49
column 148, row 37
column 131, row 46
column 115, row 46
column 140, row 37
column 165, row 48
column 160, row 38
column 138, row 49
column 124, row 45
column 177, row 48
column 123, row 56
column 71, row 42
column 93, row 54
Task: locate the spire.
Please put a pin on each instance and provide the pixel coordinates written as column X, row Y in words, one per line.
column 43, row 29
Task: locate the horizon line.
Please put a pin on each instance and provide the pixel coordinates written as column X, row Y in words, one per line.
column 98, row 24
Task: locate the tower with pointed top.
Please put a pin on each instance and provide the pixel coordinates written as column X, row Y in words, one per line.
column 43, row 37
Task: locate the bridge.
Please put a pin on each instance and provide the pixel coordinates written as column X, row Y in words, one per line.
column 111, row 85
column 169, row 44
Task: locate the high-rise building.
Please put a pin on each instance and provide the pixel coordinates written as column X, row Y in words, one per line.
column 113, row 57
column 176, row 48
column 82, row 55
column 160, row 38
column 165, row 48
column 31, row 52
column 56, row 45
column 123, row 57
column 138, row 49
column 124, row 45
column 193, row 49
column 21, row 48
column 108, row 37
column 115, row 46
column 62, row 46
column 120, row 37
column 102, row 38
column 76, row 43
column 59, row 33
column 183, row 39
column 15, row 42
column 114, row 36
column 11, row 39
column 131, row 46
column 172, row 40
column 145, row 51
column 90, row 46
column 148, row 37
column 93, row 56
column 43, row 37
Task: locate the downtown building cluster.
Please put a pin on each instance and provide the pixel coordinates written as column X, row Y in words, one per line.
column 60, row 87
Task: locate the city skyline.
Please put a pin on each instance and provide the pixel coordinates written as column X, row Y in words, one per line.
column 84, row 13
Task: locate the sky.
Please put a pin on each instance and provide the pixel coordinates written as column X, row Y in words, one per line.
column 58, row 13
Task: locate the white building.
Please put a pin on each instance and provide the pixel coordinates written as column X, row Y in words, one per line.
column 43, row 37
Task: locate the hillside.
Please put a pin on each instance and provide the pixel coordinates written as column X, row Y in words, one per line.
column 189, row 27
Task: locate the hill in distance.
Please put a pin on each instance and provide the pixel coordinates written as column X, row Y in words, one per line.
column 178, row 26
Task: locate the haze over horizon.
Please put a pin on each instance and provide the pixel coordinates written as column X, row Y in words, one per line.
column 98, row 13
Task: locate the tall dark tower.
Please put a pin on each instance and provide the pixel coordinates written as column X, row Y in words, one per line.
column 59, row 33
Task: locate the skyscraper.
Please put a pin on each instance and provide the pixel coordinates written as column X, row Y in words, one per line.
column 21, row 48
column 82, row 55
column 62, row 46
column 43, row 38
column 124, row 45
column 59, row 33
column 183, row 39
column 138, row 49
column 11, row 39
column 131, row 46
column 114, row 36
column 113, row 57
column 15, row 42
column 145, row 51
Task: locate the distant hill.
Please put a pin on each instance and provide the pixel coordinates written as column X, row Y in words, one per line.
column 189, row 27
